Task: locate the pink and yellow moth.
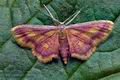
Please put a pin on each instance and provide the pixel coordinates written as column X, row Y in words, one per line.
column 75, row 40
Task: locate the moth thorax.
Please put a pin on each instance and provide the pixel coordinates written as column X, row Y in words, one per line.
column 62, row 35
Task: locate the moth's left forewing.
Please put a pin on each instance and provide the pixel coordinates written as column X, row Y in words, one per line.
column 84, row 37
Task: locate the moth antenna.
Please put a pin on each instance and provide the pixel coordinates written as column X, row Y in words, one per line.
column 54, row 19
column 73, row 17
column 68, row 18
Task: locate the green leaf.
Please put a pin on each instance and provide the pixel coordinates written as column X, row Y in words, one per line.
column 17, row 63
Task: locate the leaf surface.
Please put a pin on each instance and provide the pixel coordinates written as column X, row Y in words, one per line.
column 17, row 63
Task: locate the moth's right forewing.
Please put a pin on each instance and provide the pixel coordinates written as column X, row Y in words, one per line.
column 42, row 39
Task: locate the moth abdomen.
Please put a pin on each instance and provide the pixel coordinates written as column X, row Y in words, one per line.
column 64, row 46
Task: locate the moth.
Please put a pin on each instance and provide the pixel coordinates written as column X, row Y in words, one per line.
column 76, row 40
